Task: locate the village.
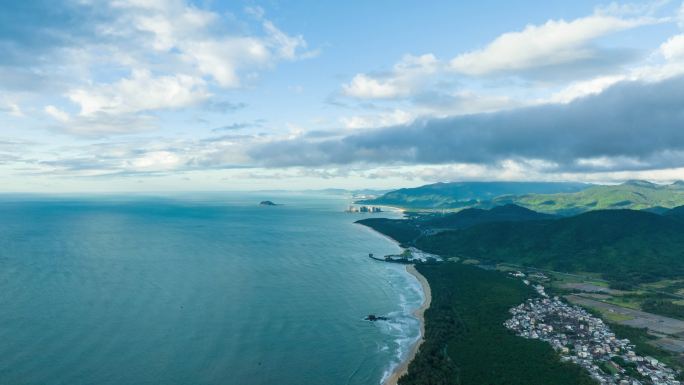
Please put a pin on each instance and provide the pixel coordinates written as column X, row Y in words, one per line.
column 585, row 340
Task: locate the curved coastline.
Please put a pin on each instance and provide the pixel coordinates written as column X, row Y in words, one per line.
column 419, row 313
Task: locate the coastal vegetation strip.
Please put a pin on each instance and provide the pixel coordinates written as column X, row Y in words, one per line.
column 466, row 342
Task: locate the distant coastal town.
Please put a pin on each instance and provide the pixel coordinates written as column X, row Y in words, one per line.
column 586, row 341
column 363, row 209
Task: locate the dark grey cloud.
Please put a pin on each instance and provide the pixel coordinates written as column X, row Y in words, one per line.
column 634, row 124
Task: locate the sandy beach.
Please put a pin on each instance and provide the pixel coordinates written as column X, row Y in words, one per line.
column 403, row 368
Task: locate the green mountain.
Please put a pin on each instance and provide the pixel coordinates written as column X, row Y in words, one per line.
column 551, row 198
column 466, row 194
column 406, row 231
column 625, row 246
column 637, row 195
column 473, row 216
column 677, row 212
column 401, row 230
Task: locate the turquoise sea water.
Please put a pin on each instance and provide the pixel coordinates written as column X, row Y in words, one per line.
column 200, row 289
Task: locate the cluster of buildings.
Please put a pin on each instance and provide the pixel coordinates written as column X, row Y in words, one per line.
column 586, row 341
column 410, row 255
column 364, row 209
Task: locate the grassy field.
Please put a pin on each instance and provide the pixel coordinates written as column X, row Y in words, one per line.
column 644, row 345
column 615, row 317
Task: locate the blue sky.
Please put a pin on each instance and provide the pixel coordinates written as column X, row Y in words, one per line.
column 154, row 95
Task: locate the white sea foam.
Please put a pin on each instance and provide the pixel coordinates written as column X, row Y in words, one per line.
column 403, row 325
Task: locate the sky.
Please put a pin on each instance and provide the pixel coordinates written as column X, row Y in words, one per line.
column 209, row 95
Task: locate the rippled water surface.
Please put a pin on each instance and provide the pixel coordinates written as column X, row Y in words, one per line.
column 205, row 289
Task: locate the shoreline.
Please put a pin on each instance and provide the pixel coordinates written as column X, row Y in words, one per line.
column 402, row 369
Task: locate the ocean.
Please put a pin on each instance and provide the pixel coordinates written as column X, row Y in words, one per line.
column 198, row 289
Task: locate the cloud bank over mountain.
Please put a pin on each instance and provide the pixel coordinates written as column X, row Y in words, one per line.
column 630, row 126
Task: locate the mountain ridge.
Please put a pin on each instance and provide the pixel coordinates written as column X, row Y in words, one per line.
column 465, row 194
column 572, row 198
column 472, row 216
column 625, row 246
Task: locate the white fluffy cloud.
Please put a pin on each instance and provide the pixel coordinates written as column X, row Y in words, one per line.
column 155, row 161
column 139, row 92
column 434, row 87
column 585, row 88
column 554, row 43
column 554, row 62
column 672, row 51
column 190, row 34
column 391, row 118
column 365, row 87
column 56, row 113
column 407, row 76
column 673, row 48
column 165, row 54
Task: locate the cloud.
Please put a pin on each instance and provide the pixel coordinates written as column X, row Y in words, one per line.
column 648, row 8
column 123, row 59
column 405, row 78
column 516, row 69
column 585, row 88
column 149, row 156
column 636, row 121
column 57, row 113
column 555, row 43
column 139, row 92
column 11, row 108
column 672, row 51
column 190, row 34
column 556, row 48
column 384, row 119
column 156, row 161
column 239, row 126
column 222, row 106
column 100, row 124
column 673, row 48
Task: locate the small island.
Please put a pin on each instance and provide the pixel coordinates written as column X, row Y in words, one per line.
column 267, row 203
